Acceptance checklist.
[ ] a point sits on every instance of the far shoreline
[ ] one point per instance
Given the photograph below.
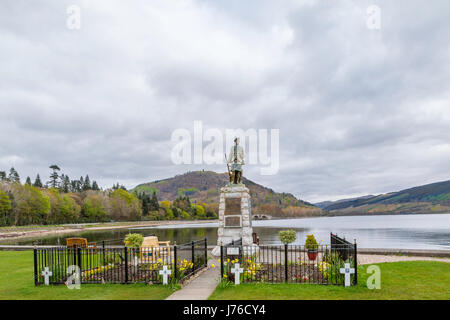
(74, 228)
(32, 231)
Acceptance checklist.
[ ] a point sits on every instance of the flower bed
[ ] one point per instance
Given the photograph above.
(142, 272)
(315, 263)
(265, 272)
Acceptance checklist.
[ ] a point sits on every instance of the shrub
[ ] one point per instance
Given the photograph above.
(199, 211)
(169, 214)
(165, 204)
(125, 206)
(134, 240)
(63, 209)
(211, 210)
(185, 215)
(287, 236)
(94, 207)
(5, 209)
(334, 262)
(30, 205)
(311, 242)
(156, 215)
(60, 209)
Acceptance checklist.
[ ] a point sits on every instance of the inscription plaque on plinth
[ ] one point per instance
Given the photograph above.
(232, 206)
(234, 221)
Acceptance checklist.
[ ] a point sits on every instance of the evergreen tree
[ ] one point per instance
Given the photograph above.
(153, 203)
(13, 175)
(28, 181)
(176, 212)
(75, 185)
(61, 180)
(37, 183)
(118, 186)
(87, 183)
(3, 176)
(65, 183)
(54, 176)
(145, 201)
(95, 186)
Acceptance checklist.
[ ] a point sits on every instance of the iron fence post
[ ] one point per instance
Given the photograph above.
(286, 262)
(175, 272)
(74, 254)
(206, 252)
(126, 264)
(221, 261)
(355, 279)
(35, 267)
(79, 261)
(193, 257)
(103, 251)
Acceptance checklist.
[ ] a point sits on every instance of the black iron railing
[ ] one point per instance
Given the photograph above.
(113, 264)
(290, 263)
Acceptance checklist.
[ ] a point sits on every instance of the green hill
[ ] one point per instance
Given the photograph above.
(204, 186)
(430, 198)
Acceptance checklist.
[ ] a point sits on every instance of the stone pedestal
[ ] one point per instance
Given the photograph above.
(235, 216)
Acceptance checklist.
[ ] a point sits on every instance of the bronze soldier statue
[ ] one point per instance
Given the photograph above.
(236, 160)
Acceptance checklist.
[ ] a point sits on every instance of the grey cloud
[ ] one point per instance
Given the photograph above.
(359, 111)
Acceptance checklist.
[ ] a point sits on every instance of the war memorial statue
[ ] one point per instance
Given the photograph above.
(236, 160)
(235, 209)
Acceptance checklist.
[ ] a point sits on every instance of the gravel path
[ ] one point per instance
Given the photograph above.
(375, 258)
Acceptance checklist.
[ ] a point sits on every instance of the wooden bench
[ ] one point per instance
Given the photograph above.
(81, 243)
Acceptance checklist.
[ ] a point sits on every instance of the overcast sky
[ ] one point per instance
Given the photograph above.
(360, 110)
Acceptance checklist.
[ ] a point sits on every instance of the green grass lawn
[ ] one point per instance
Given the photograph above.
(17, 282)
(399, 280)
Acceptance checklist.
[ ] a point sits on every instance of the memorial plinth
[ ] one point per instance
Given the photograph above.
(235, 216)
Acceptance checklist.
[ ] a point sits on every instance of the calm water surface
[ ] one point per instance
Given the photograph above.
(430, 231)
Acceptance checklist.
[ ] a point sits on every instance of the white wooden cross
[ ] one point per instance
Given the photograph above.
(46, 274)
(237, 270)
(165, 273)
(348, 271)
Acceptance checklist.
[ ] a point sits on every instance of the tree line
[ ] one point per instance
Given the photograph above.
(179, 209)
(62, 200)
(58, 181)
